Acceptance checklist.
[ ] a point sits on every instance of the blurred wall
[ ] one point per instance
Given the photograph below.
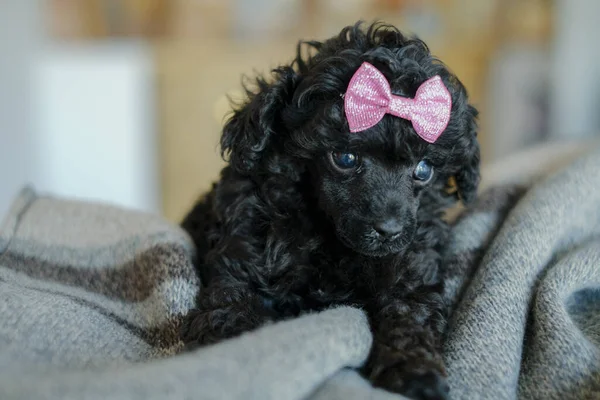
(77, 119)
(20, 40)
(575, 74)
(95, 123)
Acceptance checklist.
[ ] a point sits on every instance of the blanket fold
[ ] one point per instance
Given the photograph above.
(91, 298)
(544, 231)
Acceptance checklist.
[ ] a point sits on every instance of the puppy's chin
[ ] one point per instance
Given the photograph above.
(371, 245)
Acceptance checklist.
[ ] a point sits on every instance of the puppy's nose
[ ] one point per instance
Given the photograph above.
(388, 228)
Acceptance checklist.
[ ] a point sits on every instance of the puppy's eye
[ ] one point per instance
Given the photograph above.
(423, 171)
(344, 161)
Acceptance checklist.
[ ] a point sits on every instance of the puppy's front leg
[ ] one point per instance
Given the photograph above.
(405, 357)
(223, 311)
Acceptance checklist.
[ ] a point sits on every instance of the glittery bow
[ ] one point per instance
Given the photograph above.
(369, 98)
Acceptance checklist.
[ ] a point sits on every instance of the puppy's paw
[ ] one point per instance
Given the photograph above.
(199, 328)
(202, 327)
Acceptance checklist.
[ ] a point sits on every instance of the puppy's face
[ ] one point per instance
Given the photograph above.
(376, 186)
(371, 195)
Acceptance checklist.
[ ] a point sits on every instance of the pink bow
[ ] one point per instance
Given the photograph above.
(369, 98)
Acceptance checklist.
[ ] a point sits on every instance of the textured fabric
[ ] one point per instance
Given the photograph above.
(518, 331)
(91, 298)
(74, 276)
(369, 97)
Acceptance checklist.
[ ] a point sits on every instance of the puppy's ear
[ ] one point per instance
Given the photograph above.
(468, 177)
(251, 129)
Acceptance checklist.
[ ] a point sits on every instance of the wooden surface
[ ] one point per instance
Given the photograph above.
(194, 80)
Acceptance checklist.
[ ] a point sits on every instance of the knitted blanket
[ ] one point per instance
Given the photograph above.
(91, 297)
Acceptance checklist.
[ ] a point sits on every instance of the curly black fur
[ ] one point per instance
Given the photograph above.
(283, 231)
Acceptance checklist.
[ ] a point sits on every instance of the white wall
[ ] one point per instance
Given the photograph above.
(20, 39)
(76, 120)
(95, 128)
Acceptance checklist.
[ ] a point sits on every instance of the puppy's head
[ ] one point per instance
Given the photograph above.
(375, 186)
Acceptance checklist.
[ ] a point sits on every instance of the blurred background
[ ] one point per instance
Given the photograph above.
(122, 101)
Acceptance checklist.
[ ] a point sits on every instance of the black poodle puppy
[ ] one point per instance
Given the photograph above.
(309, 214)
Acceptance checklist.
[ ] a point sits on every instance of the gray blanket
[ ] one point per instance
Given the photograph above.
(91, 298)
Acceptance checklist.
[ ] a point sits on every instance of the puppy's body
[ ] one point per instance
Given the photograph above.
(290, 228)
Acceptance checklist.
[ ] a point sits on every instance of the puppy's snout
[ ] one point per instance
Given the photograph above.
(388, 228)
